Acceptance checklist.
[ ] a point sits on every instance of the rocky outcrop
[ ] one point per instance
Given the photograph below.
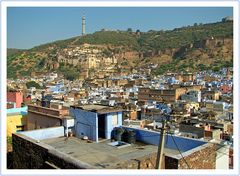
(203, 44)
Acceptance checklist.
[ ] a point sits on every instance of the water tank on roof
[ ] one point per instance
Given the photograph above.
(117, 133)
(129, 136)
(45, 103)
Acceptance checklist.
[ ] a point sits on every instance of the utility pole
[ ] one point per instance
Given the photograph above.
(161, 146)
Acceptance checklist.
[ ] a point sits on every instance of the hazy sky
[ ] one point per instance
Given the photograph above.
(32, 26)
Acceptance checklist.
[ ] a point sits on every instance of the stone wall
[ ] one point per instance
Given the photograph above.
(204, 158)
(28, 154)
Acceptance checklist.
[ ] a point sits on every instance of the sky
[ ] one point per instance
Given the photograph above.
(31, 26)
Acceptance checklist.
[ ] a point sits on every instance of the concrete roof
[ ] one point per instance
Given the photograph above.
(101, 109)
(101, 155)
(14, 114)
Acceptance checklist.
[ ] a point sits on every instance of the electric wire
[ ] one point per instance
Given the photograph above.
(180, 152)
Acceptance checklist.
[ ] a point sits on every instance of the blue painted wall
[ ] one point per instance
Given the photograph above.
(119, 118)
(109, 126)
(152, 137)
(46, 133)
(86, 123)
(22, 110)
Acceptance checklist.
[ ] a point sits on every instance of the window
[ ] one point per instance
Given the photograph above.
(114, 119)
(19, 128)
(230, 161)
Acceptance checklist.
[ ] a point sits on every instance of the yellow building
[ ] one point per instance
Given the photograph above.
(91, 61)
(191, 105)
(15, 122)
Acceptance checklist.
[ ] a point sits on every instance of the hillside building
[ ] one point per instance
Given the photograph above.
(166, 95)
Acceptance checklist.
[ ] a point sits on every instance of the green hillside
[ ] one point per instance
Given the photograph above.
(153, 42)
(149, 40)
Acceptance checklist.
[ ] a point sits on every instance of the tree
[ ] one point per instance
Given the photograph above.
(71, 75)
(10, 89)
(202, 67)
(107, 53)
(138, 32)
(129, 30)
(228, 64)
(216, 69)
(33, 84)
(42, 63)
(194, 36)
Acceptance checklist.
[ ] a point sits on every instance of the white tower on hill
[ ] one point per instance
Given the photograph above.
(83, 25)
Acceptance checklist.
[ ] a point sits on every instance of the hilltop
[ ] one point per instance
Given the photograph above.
(12, 51)
(196, 47)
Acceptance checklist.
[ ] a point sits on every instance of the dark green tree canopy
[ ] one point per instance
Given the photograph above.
(33, 84)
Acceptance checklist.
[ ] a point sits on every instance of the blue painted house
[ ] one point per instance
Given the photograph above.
(57, 88)
(172, 80)
(95, 121)
(164, 108)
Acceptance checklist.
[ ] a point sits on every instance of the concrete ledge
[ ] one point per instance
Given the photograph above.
(46, 133)
(67, 158)
(187, 153)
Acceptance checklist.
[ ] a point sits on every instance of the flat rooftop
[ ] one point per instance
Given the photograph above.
(14, 114)
(102, 155)
(101, 109)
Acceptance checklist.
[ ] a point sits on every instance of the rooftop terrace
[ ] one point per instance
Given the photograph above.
(101, 109)
(101, 155)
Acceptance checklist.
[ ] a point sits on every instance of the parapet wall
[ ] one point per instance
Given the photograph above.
(49, 111)
(203, 157)
(152, 137)
(46, 133)
(32, 154)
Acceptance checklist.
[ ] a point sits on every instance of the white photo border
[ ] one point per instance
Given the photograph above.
(178, 3)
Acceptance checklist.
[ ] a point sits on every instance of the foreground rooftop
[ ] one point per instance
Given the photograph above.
(100, 155)
(72, 152)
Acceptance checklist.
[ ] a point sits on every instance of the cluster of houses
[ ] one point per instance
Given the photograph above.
(87, 56)
(70, 116)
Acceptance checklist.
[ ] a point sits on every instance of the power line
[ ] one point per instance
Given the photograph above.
(180, 151)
